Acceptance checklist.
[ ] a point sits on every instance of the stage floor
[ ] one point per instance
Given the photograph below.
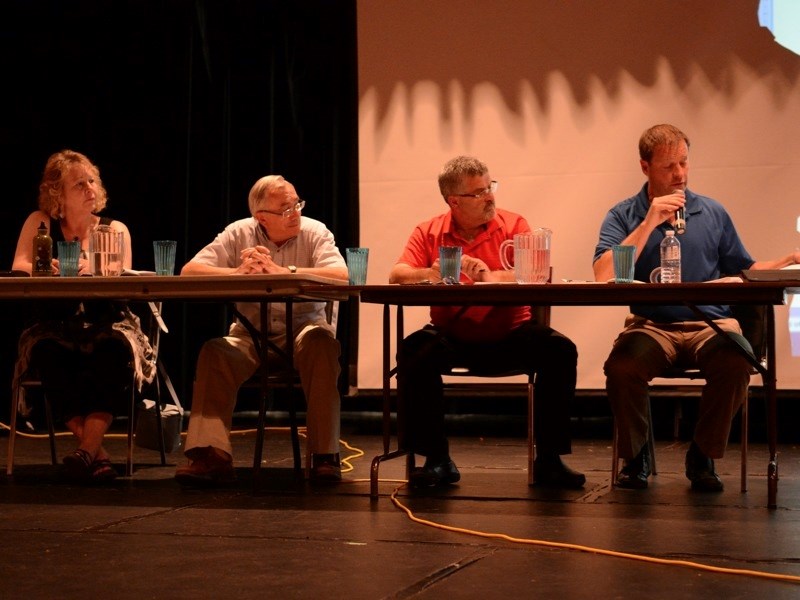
(145, 537)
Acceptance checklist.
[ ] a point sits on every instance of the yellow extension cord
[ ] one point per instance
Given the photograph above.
(346, 464)
(358, 453)
(601, 551)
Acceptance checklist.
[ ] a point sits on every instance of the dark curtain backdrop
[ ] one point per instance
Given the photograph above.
(182, 104)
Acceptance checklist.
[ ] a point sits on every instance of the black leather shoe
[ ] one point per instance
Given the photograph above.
(634, 474)
(551, 471)
(700, 471)
(434, 473)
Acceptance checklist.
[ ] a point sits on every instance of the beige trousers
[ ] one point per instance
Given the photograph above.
(227, 362)
(645, 349)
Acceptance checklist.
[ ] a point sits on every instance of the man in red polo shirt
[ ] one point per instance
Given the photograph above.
(482, 336)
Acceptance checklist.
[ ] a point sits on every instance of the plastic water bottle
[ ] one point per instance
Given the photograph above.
(670, 258)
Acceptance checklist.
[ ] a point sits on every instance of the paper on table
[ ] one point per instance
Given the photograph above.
(582, 281)
(136, 273)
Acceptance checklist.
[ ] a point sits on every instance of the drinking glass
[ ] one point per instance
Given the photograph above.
(357, 259)
(68, 255)
(450, 264)
(164, 252)
(624, 262)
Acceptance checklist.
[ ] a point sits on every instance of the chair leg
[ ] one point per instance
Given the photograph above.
(531, 437)
(12, 434)
(676, 419)
(651, 441)
(259, 450)
(411, 461)
(744, 435)
(51, 430)
(159, 424)
(294, 433)
(131, 419)
(614, 452)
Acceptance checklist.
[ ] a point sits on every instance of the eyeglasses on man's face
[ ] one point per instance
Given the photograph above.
(489, 190)
(288, 212)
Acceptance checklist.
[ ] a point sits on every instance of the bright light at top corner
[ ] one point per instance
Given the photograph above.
(782, 18)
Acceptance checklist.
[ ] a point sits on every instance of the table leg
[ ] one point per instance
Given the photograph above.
(388, 372)
(387, 376)
(292, 408)
(262, 417)
(770, 387)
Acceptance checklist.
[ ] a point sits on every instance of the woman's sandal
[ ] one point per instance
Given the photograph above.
(78, 464)
(102, 470)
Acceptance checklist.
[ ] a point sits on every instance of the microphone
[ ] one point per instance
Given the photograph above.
(680, 214)
(680, 221)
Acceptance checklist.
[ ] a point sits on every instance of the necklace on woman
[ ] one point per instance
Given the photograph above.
(75, 234)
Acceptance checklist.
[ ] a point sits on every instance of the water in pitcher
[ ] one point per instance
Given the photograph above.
(106, 251)
(531, 256)
(106, 263)
(540, 265)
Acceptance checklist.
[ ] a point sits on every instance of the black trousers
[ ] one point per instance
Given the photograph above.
(81, 382)
(425, 354)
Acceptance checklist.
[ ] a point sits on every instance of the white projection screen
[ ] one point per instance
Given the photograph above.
(553, 97)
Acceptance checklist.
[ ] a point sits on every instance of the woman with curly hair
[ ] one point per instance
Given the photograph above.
(87, 355)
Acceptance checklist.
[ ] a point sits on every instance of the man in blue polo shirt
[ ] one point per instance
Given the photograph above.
(655, 337)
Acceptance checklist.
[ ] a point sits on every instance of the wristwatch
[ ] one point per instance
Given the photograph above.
(292, 269)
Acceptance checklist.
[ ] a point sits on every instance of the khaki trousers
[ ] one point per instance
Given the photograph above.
(227, 362)
(645, 349)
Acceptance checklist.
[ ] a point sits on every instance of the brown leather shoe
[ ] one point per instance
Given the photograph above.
(210, 467)
(326, 468)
